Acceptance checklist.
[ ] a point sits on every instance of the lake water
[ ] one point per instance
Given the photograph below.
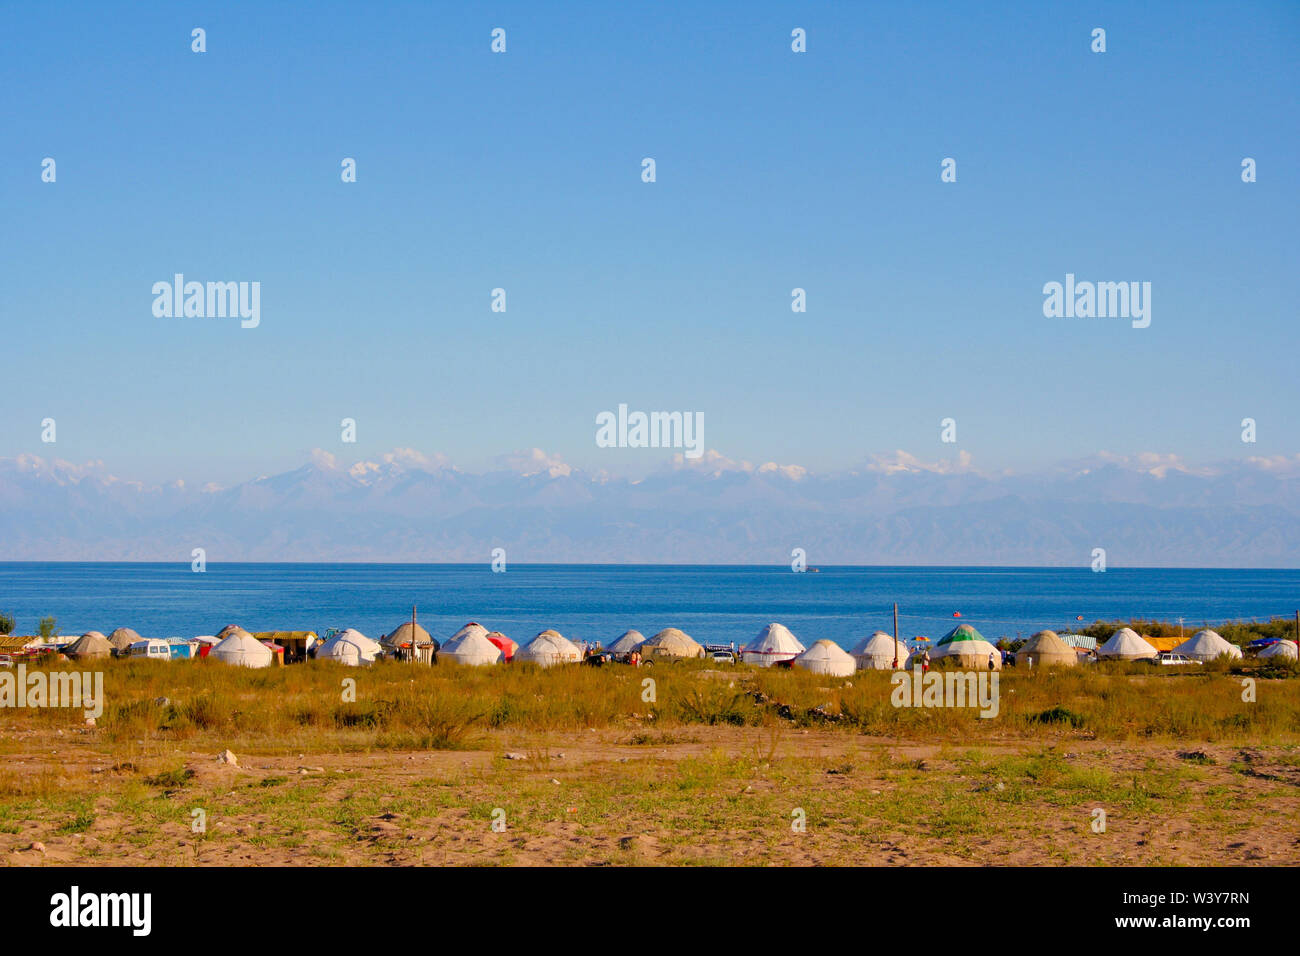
(713, 604)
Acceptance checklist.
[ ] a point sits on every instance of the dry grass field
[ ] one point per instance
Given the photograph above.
(517, 765)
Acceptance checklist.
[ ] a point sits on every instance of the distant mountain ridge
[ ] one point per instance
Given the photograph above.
(898, 511)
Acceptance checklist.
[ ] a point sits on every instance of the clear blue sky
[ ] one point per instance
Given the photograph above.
(522, 170)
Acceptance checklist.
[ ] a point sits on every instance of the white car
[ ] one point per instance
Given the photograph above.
(1170, 658)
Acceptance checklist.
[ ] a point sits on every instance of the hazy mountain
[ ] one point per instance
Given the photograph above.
(1150, 511)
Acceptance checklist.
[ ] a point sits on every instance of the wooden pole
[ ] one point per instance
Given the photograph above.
(413, 651)
(896, 633)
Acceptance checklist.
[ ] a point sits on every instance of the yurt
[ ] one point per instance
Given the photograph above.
(470, 646)
(1126, 645)
(880, 652)
(827, 657)
(229, 629)
(1207, 645)
(627, 643)
(90, 645)
(774, 643)
(505, 645)
(349, 647)
(548, 648)
(1046, 649)
(410, 640)
(668, 643)
(968, 647)
(122, 639)
(242, 649)
(1282, 650)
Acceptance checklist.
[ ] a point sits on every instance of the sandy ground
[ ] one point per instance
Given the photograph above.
(704, 795)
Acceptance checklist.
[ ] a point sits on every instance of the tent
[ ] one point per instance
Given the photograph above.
(349, 647)
(1207, 645)
(826, 657)
(121, 639)
(505, 645)
(229, 629)
(89, 645)
(774, 643)
(471, 647)
(626, 644)
(548, 648)
(1125, 645)
(670, 642)
(1282, 650)
(968, 647)
(1046, 649)
(408, 640)
(880, 652)
(242, 649)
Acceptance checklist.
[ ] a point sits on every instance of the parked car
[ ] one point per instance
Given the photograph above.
(1172, 659)
(723, 657)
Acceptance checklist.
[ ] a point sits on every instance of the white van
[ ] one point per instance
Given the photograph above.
(152, 648)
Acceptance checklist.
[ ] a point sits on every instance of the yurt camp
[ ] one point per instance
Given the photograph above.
(1282, 650)
(410, 641)
(1207, 645)
(668, 644)
(1126, 645)
(470, 646)
(967, 647)
(90, 645)
(505, 645)
(627, 642)
(880, 652)
(1046, 649)
(548, 649)
(122, 639)
(773, 645)
(827, 657)
(349, 647)
(243, 650)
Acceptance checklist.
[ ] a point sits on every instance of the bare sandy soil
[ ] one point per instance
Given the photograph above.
(698, 795)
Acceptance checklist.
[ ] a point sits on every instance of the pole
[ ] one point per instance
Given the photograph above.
(896, 633)
(413, 651)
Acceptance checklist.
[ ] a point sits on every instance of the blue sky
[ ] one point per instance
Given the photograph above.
(775, 170)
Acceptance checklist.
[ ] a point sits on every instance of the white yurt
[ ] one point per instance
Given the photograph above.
(879, 653)
(1282, 650)
(628, 642)
(968, 647)
(1207, 645)
(349, 647)
(471, 646)
(548, 648)
(1126, 645)
(774, 643)
(242, 649)
(826, 657)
